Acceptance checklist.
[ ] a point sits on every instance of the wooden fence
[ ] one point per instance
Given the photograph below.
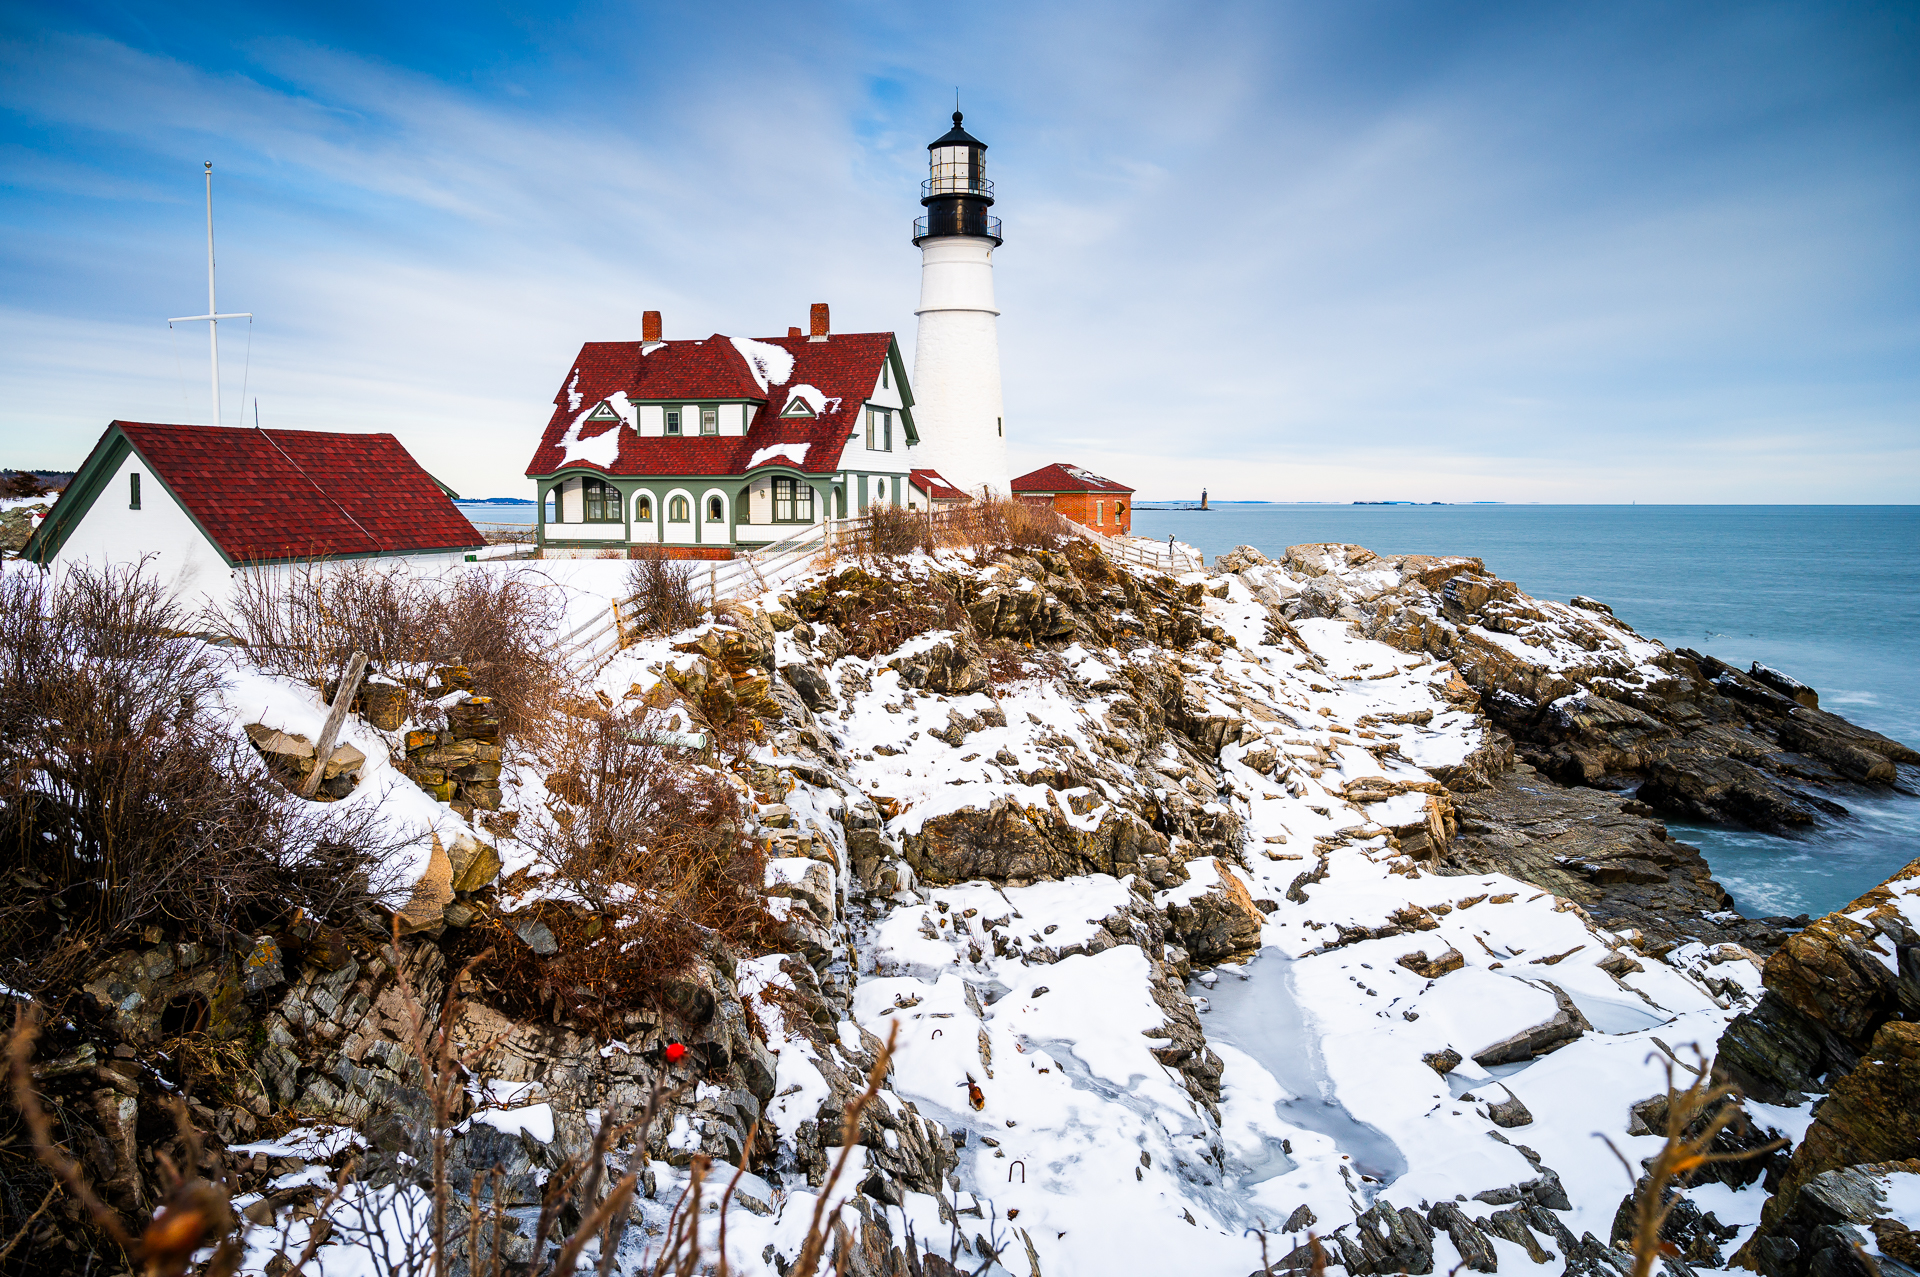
(772, 566)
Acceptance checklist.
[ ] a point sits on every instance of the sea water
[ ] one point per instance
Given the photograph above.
(1828, 594)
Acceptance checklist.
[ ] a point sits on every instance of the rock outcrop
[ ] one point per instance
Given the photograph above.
(1586, 699)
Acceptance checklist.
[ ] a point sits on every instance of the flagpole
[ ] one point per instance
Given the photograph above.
(213, 315)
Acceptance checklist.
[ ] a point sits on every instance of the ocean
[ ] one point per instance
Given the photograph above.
(1828, 594)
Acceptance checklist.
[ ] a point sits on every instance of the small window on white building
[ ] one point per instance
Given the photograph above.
(133, 492)
(1000, 426)
(709, 421)
(716, 510)
(886, 371)
(643, 508)
(604, 412)
(673, 421)
(678, 511)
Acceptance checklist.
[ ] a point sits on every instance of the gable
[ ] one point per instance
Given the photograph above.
(277, 495)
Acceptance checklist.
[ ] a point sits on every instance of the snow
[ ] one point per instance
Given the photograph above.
(603, 447)
(770, 365)
(794, 452)
(812, 396)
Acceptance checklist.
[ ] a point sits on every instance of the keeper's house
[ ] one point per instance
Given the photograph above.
(200, 504)
(703, 448)
(1080, 495)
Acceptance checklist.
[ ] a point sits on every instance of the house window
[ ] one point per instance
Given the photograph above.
(673, 421)
(885, 372)
(133, 492)
(1099, 513)
(879, 430)
(716, 510)
(643, 509)
(603, 501)
(709, 421)
(792, 501)
(678, 511)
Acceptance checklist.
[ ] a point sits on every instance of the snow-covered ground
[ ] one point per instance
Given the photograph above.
(1084, 1154)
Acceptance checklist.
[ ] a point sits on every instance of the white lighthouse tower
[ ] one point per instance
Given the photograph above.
(956, 357)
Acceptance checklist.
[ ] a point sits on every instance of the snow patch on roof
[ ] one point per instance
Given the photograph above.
(602, 449)
(812, 396)
(794, 452)
(573, 392)
(770, 365)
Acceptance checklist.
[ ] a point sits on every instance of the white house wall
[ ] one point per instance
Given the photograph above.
(181, 557)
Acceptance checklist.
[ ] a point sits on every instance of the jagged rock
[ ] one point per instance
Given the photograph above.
(1827, 993)
(1509, 1113)
(1442, 1062)
(811, 684)
(1475, 1251)
(1606, 852)
(1566, 1024)
(1391, 1239)
(1219, 923)
(1450, 960)
(1871, 1115)
(1512, 1224)
(1695, 1234)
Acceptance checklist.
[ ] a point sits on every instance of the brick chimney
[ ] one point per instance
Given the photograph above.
(818, 320)
(794, 332)
(649, 325)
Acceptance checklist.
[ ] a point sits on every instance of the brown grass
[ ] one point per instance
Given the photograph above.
(125, 801)
(879, 609)
(306, 621)
(656, 845)
(662, 594)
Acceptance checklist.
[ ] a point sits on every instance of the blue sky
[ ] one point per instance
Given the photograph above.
(1422, 250)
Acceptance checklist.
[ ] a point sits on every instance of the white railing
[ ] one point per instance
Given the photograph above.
(1172, 558)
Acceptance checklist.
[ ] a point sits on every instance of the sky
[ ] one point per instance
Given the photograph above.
(1416, 250)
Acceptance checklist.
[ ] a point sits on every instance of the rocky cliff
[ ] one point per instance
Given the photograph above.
(1050, 821)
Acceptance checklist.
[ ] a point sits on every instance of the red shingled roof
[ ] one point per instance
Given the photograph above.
(936, 488)
(844, 368)
(1061, 477)
(288, 494)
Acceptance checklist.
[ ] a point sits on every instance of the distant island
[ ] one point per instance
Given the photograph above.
(494, 501)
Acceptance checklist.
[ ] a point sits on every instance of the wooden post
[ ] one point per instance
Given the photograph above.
(331, 732)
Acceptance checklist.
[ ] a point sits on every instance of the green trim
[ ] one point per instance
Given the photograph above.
(91, 480)
(906, 391)
(451, 494)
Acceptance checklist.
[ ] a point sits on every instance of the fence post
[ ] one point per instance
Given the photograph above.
(342, 699)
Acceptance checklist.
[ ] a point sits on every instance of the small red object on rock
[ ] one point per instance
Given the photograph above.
(675, 1052)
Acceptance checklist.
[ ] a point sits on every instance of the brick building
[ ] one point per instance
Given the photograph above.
(1080, 495)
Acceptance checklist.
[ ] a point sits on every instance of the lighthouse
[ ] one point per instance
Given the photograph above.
(956, 356)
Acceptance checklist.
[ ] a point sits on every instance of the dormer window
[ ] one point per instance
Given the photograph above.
(604, 412)
(797, 407)
(709, 421)
(673, 421)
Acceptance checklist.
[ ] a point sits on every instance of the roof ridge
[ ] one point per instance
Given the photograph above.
(377, 544)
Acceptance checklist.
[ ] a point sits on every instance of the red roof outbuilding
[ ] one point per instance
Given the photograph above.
(1061, 477)
(264, 495)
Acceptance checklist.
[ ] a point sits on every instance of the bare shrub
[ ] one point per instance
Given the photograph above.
(662, 594)
(891, 532)
(656, 845)
(992, 523)
(125, 800)
(305, 622)
(1695, 1117)
(878, 610)
(23, 483)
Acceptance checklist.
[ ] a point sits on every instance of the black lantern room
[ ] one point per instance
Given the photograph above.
(957, 195)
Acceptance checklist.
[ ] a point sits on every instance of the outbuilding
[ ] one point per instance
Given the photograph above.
(203, 503)
(1081, 495)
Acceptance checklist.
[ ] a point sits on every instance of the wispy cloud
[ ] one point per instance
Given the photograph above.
(1283, 251)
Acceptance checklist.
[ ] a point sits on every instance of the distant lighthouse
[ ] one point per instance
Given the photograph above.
(956, 357)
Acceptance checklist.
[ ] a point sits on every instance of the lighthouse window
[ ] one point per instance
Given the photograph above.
(709, 421)
(603, 501)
